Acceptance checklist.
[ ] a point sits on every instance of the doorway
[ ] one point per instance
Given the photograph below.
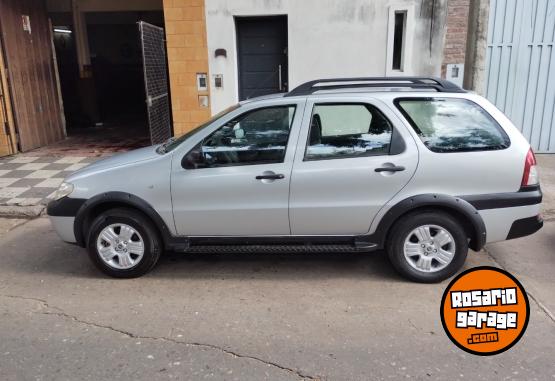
(109, 108)
(262, 55)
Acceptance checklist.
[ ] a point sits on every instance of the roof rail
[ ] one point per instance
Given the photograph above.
(416, 83)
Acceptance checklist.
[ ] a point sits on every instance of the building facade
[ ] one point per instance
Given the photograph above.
(318, 39)
(249, 48)
(219, 52)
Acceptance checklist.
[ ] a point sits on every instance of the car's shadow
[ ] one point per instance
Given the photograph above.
(46, 254)
(69, 260)
(275, 266)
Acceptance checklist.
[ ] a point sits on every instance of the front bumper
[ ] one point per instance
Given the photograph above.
(64, 227)
(64, 207)
(62, 214)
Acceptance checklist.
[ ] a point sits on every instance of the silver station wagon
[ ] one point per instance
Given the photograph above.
(415, 166)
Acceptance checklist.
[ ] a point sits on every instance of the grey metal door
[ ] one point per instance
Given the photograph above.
(262, 55)
(156, 81)
(521, 67)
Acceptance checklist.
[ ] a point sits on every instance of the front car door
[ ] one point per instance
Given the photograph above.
(232, 179)
(352, 157)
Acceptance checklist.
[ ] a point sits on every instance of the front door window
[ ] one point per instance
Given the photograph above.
(257, 137)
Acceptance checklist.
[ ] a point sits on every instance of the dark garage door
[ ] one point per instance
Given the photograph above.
(262, 48)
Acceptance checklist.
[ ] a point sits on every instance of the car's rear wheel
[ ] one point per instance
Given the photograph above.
(123, 243)
(428, 246)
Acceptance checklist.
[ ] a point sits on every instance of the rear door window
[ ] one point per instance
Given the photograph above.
(453, 125)
(347, 130)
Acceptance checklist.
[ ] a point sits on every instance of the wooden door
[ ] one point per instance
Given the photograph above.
(7, 128)
(27, 41)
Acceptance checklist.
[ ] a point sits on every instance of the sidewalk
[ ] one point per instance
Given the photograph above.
(28, 180)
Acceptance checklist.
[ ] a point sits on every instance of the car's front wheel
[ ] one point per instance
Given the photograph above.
(123, 243)
(428, 246)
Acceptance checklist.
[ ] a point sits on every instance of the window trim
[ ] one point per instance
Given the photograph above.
(368, 106)
(417, 130)
(408, 39)
(399, 36)
(241, 116)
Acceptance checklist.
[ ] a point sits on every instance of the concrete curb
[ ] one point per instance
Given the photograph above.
(18, 211)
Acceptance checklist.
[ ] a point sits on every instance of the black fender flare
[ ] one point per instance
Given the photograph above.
(83, 220)
(438, 201)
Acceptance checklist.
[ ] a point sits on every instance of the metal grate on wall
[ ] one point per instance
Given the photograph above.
(156, 81)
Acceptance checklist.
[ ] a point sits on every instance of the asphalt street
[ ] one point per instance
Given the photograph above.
(249, 317)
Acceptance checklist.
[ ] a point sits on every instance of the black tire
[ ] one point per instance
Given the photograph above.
(403, 227)
(152, 242)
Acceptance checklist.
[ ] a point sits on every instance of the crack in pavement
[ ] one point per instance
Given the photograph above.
(541, 306)
(61, 313)
(41, 301)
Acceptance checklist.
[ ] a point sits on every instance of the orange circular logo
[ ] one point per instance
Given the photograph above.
(485, 311)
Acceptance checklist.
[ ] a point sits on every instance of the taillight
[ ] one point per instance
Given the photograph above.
(530, 176)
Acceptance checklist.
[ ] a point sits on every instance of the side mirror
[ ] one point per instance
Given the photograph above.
(194, 159)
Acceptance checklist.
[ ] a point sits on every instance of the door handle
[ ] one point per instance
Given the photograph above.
(274, 176)
(390, 169)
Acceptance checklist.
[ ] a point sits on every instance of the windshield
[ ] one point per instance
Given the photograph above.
(173, 143)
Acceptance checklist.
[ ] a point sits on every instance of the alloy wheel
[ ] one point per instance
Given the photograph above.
(429, 248)
(120, 246)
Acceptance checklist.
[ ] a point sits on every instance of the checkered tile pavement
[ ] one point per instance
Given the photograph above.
(32, 180)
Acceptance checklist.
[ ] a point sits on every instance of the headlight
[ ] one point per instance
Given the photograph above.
(64, 190)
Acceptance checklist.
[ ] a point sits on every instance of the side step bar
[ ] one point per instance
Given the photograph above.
(268, 249)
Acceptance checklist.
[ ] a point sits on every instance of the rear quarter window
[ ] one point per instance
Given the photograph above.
(453, 125)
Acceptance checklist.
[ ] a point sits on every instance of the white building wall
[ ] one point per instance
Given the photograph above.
(329, 38)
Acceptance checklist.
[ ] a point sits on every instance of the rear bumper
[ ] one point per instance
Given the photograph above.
(524, 197)
(509, 215)
(525, 226)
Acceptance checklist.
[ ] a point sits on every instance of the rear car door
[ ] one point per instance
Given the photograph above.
(235, 180)
(352, 158)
